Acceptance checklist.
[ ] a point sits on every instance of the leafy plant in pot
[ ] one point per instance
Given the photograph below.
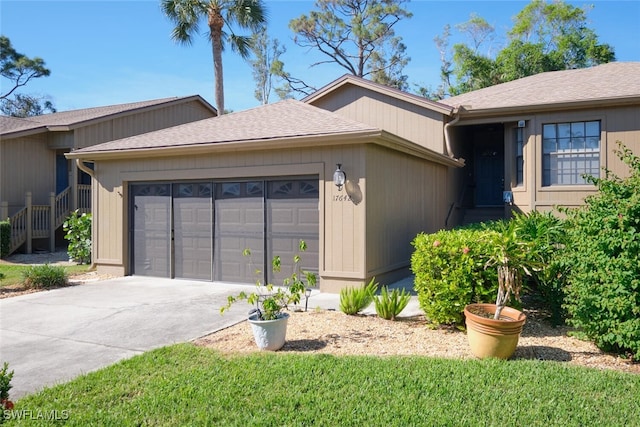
(268, 320)
(493, 330)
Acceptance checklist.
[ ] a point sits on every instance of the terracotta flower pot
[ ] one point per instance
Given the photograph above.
(493, 338)
(269, 334)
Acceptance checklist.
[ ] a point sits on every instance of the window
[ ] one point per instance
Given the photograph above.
(570, 151)
(519, 156)
(230, 190)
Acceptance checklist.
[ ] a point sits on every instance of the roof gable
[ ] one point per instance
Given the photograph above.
(612, 82)
(349, 79)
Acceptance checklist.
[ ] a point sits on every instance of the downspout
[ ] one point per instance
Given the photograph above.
(447, 138)
(80, 164)
(89, 171)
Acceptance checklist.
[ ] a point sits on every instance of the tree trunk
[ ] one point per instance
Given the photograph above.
(216, 23)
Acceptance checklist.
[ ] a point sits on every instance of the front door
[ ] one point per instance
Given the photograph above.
(489, 166)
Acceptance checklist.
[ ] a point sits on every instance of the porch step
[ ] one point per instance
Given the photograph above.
(476, 215)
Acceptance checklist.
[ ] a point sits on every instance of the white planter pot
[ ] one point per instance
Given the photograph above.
(269, 334)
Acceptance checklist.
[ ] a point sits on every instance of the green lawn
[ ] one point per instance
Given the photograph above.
(13, 273)
(184, 385)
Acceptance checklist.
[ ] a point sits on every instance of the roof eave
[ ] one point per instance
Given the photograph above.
(23, 133)
(398, 143)
(360, 137)
(571, 105)
(242, 145)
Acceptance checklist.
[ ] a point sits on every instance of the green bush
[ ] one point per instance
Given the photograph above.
(78, 233)
(44, 276)
(449, 269)
(5, 381)
(603, 292)
(355, 299)
(5, 238)
(548, 236)
(390, 305)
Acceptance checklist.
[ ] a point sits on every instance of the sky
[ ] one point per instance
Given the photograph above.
(120, 51)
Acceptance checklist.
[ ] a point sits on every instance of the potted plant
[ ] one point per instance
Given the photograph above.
(493, 330)
(268, 320)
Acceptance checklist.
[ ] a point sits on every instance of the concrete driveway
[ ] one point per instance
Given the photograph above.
(54, 336)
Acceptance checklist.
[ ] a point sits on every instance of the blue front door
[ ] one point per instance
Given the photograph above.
(62, 173)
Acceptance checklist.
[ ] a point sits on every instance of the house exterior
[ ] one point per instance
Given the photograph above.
(536, 137)
(184, 202)
(35, 175)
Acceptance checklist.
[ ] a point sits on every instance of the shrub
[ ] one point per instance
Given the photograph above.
(44, 276)
(356, 299)
(603, 292)
(389, 305)
(449, 268)
(5, 238)
(78, 233)
(5, 386)
(548, 236)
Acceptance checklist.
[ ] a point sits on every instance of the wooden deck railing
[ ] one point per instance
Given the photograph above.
(84, 198)
(34, 221)
(62, 207)
(18, 229)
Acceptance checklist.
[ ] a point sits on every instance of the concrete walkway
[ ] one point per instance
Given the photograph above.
(53, 336)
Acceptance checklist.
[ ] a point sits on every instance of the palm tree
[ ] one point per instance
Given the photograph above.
(221, 17)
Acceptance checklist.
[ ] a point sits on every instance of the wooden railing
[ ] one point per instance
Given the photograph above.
(40, 221)
(18, 229)
(62, 207)
(84, 198)
(34, 221)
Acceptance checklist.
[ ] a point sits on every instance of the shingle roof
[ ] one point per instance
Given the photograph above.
(15, 124)
(75, 117)
(284, 119)
(612, 81)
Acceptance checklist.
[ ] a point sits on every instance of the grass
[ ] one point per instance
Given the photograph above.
(188, 385)
(13, 274)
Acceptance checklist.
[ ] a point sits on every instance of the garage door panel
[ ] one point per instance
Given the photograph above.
(239, 225)
(192, 224)
(151, 230)
(289, 221)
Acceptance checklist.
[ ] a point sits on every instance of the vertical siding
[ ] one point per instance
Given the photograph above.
(623, 124)
(27, 165)
(142, 122)
(405, 196)
(417, 124)
(342, 224)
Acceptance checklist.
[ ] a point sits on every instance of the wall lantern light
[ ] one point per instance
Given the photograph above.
(339, 177)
